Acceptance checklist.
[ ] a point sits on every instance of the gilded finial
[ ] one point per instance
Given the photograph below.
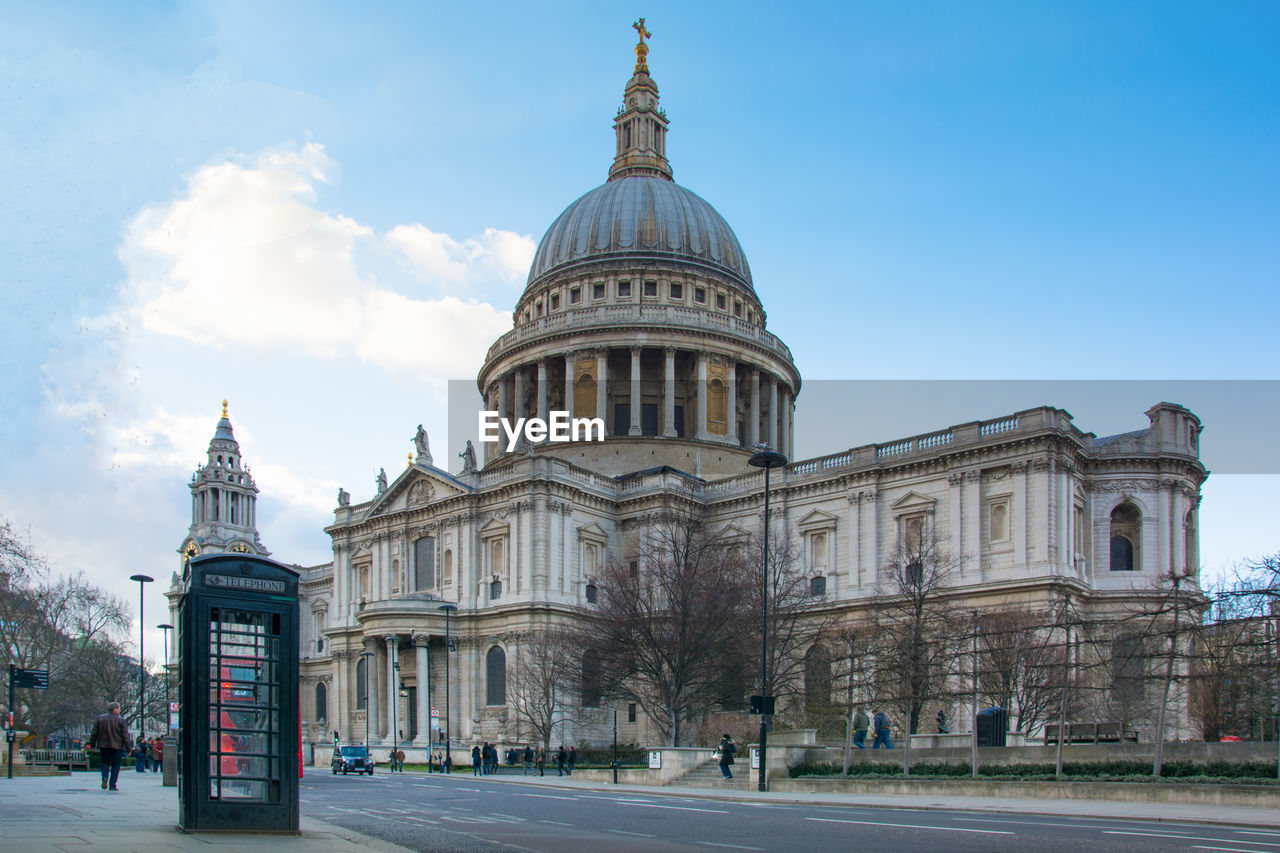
(642, 49)
(224, 408)
(409, 460)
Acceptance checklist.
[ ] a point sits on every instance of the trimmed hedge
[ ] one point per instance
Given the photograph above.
(1216, 772)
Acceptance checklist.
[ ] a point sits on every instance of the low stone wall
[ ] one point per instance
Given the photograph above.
(1131, 792)
(1005, 756)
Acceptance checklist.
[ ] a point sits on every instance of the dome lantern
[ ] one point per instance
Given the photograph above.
(641, 127)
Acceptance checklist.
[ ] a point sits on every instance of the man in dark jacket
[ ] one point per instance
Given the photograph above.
(883, 729)
(111, 738)
(572, 760)
(860, 725)
(561, 757)
(727, 750)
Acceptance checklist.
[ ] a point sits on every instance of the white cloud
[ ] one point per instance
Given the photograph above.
(244, 258)
(161, 440)
(434, 257)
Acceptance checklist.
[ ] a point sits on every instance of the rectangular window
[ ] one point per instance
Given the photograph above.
(677, 290)
(737, 307)
(720, 301)
(624, 289)
(650, 288)
(631, 712)
(679, 419)
(648, 418)
(597, 291)
(700, 295)
(555, 301)
(817, 586)
(537, 310)
(575, 295)
(621, 418)
(633, 568)
(424, 563)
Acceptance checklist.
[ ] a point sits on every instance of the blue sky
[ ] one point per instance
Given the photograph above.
(324, 211)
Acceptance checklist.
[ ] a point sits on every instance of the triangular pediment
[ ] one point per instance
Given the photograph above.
(593, 531)
(417, 486)
(733, 533)
(494, 525)
(816, 519)
(914, 500)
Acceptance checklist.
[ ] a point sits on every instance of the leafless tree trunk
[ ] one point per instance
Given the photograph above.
(547, 680)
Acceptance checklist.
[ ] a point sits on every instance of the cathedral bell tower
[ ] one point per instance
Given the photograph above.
(223, 500)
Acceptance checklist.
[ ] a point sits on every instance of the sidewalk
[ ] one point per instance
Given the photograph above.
(50, 814)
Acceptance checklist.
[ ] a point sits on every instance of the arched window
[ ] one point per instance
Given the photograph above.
(322, 701)
(1126, 528)
(1192, 555)
(590, 681)
(817, 677)
(495, 672)
(362, 684)
(448, 566)
(424, 563)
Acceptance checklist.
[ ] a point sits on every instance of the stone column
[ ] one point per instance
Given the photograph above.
(517, 405)
(733, 402)
(602, 390)
(568, 383)
(700, 427)
(393, 687)
(371, 686)
(753, 428)
(542, 389)
(422, 657)
(784, 399)
(773, 412)
(635, 391)
(669, 394)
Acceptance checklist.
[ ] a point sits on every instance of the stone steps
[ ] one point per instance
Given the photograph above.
(708, 775)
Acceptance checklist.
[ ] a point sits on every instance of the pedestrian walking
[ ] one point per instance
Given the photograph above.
(141, 750)
(883, 728)
(157, 754)
(111, 738)
(476, 769)
(860, 725)
(542, 761)
(727, 751)
(572, 761)
(528, 761)
(561, 757)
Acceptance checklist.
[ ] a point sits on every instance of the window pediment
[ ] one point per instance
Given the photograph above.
(817, 520)
(913, 502)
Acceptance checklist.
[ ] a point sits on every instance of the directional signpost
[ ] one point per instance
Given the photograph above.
(37, 679)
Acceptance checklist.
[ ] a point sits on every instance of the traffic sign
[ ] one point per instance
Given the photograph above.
(33, 678)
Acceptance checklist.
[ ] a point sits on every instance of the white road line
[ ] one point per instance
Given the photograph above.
(729, 846)
(636, 834)
(1231, 849)
(909, 826)
(673, 808)
(548, 797)
(1258, 831)
(508, 817)
(1028, 822)
(1185, 837)
(473, 819)
(555, 822)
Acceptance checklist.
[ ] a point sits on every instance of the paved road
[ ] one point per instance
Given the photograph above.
(463, 813)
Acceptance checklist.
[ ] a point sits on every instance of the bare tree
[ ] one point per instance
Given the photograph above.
(667, 627)
(53, 625)
(545, 684)
(1020, 656)
(915, 621)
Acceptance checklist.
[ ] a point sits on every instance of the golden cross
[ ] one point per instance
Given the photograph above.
(638, 26)
(642, 49)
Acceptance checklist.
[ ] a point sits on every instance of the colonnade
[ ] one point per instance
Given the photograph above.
(385, 673)
(764, 404)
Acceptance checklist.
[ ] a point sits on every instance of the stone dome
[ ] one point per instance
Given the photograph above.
(641, 218)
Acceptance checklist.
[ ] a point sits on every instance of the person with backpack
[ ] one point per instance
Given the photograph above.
(883, 728)
(727, 751)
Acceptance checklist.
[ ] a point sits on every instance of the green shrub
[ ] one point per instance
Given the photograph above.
(1215, 772)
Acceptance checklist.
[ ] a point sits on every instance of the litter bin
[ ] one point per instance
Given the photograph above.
(993, 725)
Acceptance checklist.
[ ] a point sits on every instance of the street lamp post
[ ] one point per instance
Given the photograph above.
(448, 720)
(142, 656)
(166, 627)
(767, 458)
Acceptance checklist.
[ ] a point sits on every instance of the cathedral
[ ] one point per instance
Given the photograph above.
(641, 310)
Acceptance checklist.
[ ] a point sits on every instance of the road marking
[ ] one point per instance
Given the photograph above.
(1231, 849)
(636, 834)
(1258, 831)
(1028, 822)
(548, 797)
(730, 846)
(1185, 837)
(555, 822)
(674, 808)
(910, 826)
(469, 819)
(508, 817)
